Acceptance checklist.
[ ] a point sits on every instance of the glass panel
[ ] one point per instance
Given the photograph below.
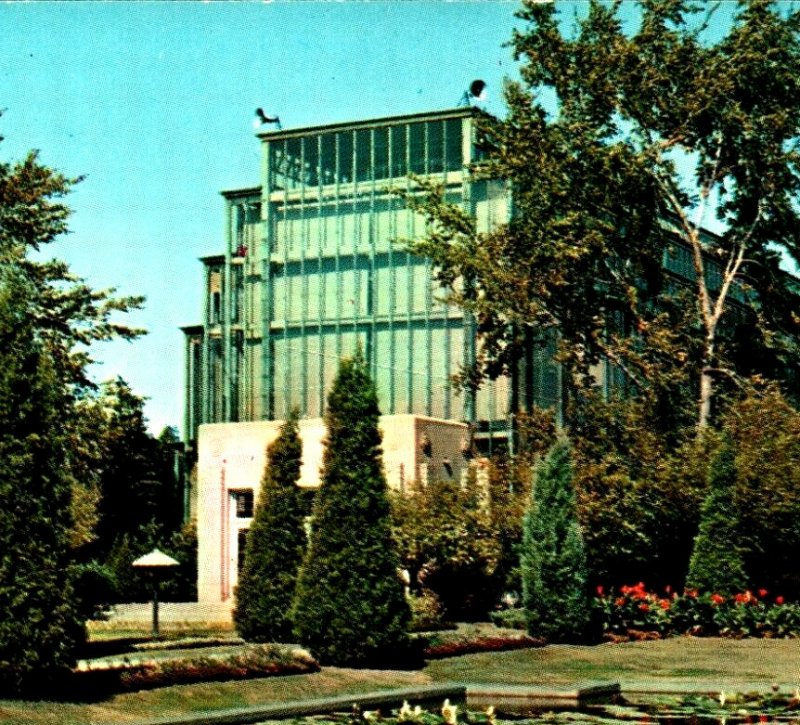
(345, 157)
(383, 370)
(401, 352)
(435, 147)
(311, 160)
(293, 162)
(363, 155)
(328, 159)
(416, 148)
(440, 341)
(453, 148)
(381, 150)
(383, 290)
(398, 151)
(314, 359)
(419, 377)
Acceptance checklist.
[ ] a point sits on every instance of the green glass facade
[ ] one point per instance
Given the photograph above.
(314, 267)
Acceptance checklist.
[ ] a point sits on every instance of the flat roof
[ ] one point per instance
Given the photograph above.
(460, 112)
(242, 192)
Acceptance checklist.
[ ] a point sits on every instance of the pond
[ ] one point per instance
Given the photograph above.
(726, 709)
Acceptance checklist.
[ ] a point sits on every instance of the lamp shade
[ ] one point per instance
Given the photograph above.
(155, 558)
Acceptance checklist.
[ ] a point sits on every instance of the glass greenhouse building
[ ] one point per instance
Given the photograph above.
(314, 266)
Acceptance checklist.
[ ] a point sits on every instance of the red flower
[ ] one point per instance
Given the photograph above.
(599, 590)
(664, 604)
(620, 602)
(668, 589)
(762, 593)
(644, 607)
(717, 598)
(690, 593)
(779, 600)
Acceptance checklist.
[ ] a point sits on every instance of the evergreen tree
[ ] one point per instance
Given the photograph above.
(39, 623)
(275, 544)
(553, 560)
(349, 605)
(717, 563)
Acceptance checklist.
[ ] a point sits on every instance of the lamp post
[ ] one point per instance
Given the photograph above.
(155, 564)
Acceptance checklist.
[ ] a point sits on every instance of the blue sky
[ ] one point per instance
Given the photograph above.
(153, 102)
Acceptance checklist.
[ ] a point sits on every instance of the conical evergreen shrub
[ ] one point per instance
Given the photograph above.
(349, 607)
(275, 544)
(717, 564)
(40, 627)
(553, 559)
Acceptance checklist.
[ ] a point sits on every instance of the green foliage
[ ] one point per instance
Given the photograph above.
(426, 612)
(276, 543)
(639, 489)
(627, 114)
(40, 625)
(765, 430)
(349, 607)
(447, 540)
(552, 556)
(128, 585)
(716, 564)
(137, 482)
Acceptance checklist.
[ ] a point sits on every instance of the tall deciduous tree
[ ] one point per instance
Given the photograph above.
(633, 128)
(48, 318)
(349, 607)
(276, 544)
(552, 555)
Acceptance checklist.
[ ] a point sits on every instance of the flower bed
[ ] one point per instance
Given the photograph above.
(635, 612)
(252, 661)
(475, 639)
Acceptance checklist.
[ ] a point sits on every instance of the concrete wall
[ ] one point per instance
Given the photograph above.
(231, 458)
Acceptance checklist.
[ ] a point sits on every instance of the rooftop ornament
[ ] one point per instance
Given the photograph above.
(155, 564)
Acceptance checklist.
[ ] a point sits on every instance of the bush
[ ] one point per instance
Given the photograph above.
(512, 618)
(349, 606)
(275, 544)
(448, 542)
(716, 564)
(552, 560)
(427, 614)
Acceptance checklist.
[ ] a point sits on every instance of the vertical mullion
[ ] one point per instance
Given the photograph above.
(410, 284)
(392, 277)
(338, 254)
(303, 392)
(320, 285)
(428, 300)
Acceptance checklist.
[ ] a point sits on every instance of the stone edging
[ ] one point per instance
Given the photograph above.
(473, 695)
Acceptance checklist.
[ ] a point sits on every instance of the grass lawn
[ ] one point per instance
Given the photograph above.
(679, 662)
(675, 663)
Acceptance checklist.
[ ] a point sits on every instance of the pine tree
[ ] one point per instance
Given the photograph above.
(717, 564)
(553, 559)
(39, 624)
(349, 606)
(275, 544)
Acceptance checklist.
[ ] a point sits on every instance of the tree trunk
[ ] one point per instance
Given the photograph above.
(706, 385)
